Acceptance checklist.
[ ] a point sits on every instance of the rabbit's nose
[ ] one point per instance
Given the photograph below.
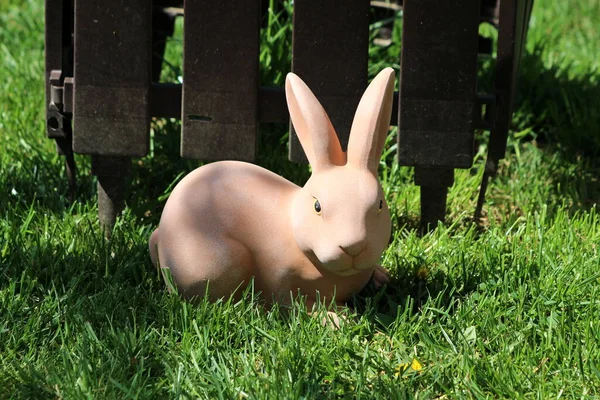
(353, 249)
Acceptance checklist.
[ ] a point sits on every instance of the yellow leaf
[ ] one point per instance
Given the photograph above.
(416, 365)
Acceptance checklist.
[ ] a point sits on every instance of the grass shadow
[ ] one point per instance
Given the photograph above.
(411, 287)
(561, 108)
(41, 179)
(557, 115)
(564, 113)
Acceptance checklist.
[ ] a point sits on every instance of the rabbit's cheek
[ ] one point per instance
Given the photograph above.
(303, 240)
(301, 231)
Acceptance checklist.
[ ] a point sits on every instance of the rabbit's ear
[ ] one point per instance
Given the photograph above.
(314, 129)
(371, 122)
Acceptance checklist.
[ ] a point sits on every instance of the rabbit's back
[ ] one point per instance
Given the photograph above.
(218, 222)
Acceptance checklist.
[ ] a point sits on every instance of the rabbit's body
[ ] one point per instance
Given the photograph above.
(261, 246)
(228, 222)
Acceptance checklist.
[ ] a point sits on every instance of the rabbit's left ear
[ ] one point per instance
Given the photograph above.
(314, 129)
(371, 122)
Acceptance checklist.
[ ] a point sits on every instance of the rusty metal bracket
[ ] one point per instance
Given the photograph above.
(60, 108)
(59, 124)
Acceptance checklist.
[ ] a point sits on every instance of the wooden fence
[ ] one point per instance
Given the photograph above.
(103, 60)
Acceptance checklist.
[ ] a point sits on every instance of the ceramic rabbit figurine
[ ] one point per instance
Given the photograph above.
(228, 222)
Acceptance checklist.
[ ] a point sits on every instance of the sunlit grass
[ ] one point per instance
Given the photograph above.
(506, 309)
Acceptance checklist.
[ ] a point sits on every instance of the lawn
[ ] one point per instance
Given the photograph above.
(508, 308)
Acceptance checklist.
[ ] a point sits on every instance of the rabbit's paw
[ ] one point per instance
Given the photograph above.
(333, 320)
(381, 276)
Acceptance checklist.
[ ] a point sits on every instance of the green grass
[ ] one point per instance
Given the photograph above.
(507, 309)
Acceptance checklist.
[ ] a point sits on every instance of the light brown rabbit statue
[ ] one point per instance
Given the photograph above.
(229, 222)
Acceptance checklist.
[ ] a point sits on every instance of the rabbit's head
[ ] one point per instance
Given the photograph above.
(340, 218)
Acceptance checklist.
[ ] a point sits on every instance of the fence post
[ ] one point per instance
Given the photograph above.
(330, 53)
(437, 95)
(111, 173)
(512, 31)
(113, 68)
(221, 80)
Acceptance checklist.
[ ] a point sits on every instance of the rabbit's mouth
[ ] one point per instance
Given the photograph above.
(344, 264)
(356, 266)
(339, 262)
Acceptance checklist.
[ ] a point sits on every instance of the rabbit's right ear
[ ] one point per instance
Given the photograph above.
(371, 122)
(314, 129)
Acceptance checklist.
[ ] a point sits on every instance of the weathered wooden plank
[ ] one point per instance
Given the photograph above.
(512, 32)
(221, 79)
(111, 173)
(113, 66)
(166, 103)
(438, 83)
(330, 54)
(272, 106)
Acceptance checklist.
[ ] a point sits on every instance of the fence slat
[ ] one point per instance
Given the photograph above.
(166, 103)
(512, 33)
(220, 93)
(330, 54)
(438, 83)
(112, 77)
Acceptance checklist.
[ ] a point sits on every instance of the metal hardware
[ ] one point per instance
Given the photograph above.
(60, 107)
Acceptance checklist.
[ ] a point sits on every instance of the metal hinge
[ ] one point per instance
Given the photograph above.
(60, 106)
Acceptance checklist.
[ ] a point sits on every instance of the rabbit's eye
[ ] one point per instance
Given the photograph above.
(317, 207)
(380, 205)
